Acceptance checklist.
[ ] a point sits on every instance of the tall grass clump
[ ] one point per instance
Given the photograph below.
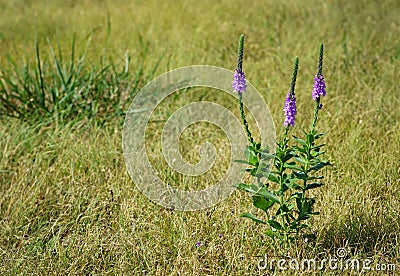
(69, 87)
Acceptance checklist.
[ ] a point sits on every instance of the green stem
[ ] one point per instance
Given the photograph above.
(314, 123)
(285, 134)
(245, 124)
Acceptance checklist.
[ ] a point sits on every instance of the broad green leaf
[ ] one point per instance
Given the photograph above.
(291, 165)
(296, 186)
(310, 138)
(283, 188)
(242, 186)
(271, 233)
(300, 141)
(319, 135)
(285, 209)
(275, 224)
(251, 188)
(262, 203)
(271, 177)
(257, 191)
(254, 218)
(317, 153)
(313, 185)
(305, 207)
(301, 160)
(267, 155)
(242, 161)
(300, 175)
(264, 192)
(318, 147)
(320, 166)
(251, 156)
(288, 156)
(292, 184)
(302, 150)
(293, 225)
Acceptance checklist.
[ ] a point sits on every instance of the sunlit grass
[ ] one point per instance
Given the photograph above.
(67, 204)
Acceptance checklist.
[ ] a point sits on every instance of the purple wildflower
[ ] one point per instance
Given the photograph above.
(290, 110)
(239, 81)
(198, 244)
(319, 87)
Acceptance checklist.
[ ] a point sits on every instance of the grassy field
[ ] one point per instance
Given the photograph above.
(67, 203)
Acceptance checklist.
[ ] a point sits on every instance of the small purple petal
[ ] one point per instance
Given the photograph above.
(239, 81)
(319, 87)
(290, 110)
(198, 244)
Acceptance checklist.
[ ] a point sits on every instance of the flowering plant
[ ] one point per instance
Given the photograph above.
(282, 189)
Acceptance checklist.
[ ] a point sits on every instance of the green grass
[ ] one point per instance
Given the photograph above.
(67, 204)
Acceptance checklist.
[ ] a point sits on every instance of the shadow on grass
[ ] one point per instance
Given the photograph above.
(362, 234)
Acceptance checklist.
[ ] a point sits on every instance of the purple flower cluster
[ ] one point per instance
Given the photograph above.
(319, 87)
(290, 110)
(239, 81)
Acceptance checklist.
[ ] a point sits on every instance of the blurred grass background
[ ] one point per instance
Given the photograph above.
(67, 204)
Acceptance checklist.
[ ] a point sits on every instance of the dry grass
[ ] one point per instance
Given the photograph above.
(67, 204)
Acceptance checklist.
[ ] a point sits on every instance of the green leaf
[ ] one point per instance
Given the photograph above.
(310, 138)
(264, 192)
(300, 141)
(318, 147)
(300, 175)
(252, 217)
(302, 150)
(274, 224)
(271, 233)
(296, 186)
(266, 155)
(271, 177)
(319, 166)
(283, 189)
(288, 156)
(305, 206)
(317, 153)
(291, 165)
(251, 155)
(285, 209)
(242, 186)
(313, 185)
(257, 191)
(262, 203)
(251, 188)
(241, 161)
(301, 160)
(291, 183)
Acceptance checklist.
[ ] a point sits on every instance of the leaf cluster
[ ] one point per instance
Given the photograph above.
(283, 180)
